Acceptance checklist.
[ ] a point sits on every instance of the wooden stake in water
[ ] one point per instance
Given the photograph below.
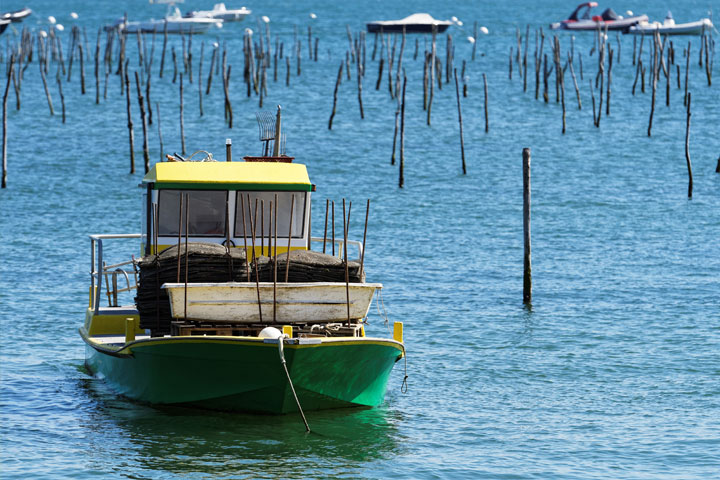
(131, 135)
(687, 148)
(141, 103)
(337, 84)
(182, 116)
(401, 180)
(4, 121)
(527, 269)
(460, 121)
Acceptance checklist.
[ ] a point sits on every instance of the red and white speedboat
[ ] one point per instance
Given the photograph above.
(581, 19)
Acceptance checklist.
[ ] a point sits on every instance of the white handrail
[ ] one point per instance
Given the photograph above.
(96, 259)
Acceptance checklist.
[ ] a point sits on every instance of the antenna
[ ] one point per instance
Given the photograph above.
(269, 127)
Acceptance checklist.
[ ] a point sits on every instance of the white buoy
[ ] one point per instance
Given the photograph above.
(269, 332)
(215, 45)
(454, 19)
(629, 13)
(484, 30)
(43, 33)
(73, 15)
(59, 27)
(471, 39)
(265, 19)
(52, 20)
(313, 16)
(249, 31)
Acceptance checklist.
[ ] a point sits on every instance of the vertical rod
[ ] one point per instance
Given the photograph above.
(346, 224)
(287, 264)
(362, 256)
(327, 208)
(527, 270)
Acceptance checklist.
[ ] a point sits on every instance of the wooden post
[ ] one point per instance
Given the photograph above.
(575, 83)
(401, 180)
(687, 70)
(337, 84)
(141, 103)
(462, 143)
(131, 135)
(432, 74)
(47, 91)
(654, 85)
(228, 150)
(380, 72)
(527, 270)
(10, 72)
(609, 82)
(687, 149)
(62, 97)
(210, 75)
(359, 82)
(97, 68)
(200, 88)
(82, 69)
(395, 131)
(182, 116)
(487, 120)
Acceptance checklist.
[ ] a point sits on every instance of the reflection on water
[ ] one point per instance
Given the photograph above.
(183, 441)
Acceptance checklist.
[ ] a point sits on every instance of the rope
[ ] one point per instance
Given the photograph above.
(383, 314)
(404, 386)
(292, 388)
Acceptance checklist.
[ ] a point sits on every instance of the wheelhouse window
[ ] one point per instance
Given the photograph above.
(206, 212)
(263, 201)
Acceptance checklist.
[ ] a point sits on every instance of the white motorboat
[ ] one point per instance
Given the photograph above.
(174, 22)
(16, 15)
(582, 19)
(220, 12)
(669, 27)
(415, 23)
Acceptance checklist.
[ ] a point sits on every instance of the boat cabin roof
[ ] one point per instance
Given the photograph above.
(229, 176)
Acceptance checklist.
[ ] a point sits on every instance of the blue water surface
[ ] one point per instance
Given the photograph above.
(613, 372)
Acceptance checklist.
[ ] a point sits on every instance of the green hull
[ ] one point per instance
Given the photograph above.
(234, 374)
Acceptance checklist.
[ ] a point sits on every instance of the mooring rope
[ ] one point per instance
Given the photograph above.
(404, 386)
(383, 314)
(281, 339)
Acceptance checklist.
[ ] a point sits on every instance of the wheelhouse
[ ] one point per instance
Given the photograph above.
(219, 199)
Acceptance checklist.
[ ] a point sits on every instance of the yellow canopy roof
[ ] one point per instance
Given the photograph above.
(229, 176)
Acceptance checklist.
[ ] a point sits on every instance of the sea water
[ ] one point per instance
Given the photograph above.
(613, 372)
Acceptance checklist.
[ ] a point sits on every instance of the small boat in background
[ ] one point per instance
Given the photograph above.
(415, 23)
(581, 19)
(174, 22)
(220, 12)
(669, 27)
(17, 15)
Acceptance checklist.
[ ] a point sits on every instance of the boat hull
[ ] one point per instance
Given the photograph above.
(409, 28)
(621, 24)
(690, 28)
(245, 374)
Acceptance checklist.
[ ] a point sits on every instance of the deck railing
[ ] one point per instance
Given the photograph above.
(99, 270)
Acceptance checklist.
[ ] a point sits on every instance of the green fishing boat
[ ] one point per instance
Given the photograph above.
(230, 308)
